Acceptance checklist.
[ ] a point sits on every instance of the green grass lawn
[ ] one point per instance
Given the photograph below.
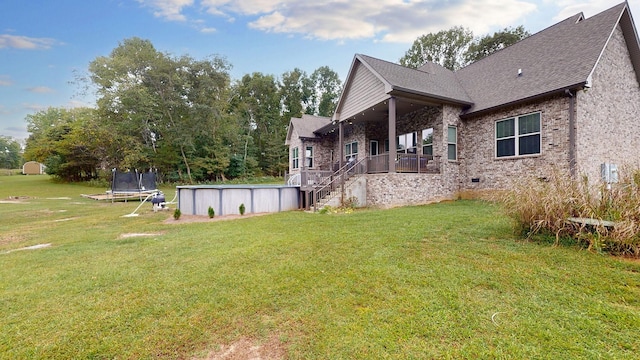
(447, 280)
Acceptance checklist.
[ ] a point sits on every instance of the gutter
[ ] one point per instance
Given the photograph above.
(578, 86)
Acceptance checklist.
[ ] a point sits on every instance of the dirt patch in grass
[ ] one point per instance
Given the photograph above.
(14, 200)
(184, 219)
(11, 238)
(244, 349)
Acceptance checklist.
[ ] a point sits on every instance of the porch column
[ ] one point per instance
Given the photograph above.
(392, 135)
(341, 144)
(341, 141)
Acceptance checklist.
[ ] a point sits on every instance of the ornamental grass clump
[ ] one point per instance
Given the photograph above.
(545, 207)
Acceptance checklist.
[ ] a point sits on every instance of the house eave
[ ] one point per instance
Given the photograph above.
(410, 93)
(579, 86)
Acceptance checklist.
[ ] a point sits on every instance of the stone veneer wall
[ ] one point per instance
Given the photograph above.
(295, 142)
(389, 190)
(477, 151)
(608, 113)
(322, 149)
(352, 132)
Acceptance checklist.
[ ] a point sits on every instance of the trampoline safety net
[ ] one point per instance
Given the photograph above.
(133, 181)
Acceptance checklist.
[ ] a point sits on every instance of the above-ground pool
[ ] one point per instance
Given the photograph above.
(226, 199)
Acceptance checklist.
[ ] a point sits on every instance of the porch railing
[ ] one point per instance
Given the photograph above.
(314, 177)
(379, 163)
(405, 163)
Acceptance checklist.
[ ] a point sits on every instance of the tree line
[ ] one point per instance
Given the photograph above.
(188, 120)
(182, 116)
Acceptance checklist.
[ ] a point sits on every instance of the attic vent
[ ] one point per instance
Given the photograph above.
(519, 72)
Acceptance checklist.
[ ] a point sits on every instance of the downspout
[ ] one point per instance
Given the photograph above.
(304, 154)
(572, 132)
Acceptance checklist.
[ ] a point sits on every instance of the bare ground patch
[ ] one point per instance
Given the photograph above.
(245, 349)
(15, 200)
(12, 238)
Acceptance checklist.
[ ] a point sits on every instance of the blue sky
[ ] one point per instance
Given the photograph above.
(45, 45)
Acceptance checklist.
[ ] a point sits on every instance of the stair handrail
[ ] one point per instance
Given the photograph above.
(322, 191)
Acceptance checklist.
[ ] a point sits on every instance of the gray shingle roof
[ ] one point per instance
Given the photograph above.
(431, 80)
(559, 57)
(306, 125)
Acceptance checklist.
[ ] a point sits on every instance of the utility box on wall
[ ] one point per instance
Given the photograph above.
(609, 173)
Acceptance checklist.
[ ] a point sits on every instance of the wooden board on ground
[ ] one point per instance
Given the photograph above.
(117, 196)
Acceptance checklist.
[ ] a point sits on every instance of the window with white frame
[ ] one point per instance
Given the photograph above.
(351, 151)
(427, 141)
(407, 143)
(518, 136)
(308, 157)
(295, 158)
(452, 143)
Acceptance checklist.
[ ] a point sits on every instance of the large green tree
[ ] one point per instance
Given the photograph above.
(258, 104)
(72, 143)
(296, 93)
(165, 104)
(446, 47)
(457, 47)
(488, 44)
(327, 86)
(10, 153)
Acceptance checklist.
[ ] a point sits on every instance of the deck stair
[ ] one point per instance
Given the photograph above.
(328, 192)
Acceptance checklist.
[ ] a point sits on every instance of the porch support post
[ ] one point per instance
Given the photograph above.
(392, 135)
(341, 141)
(341, 144)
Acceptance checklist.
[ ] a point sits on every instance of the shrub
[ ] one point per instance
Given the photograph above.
(211, 212)
(176, 214)
(544, 207)
(241, 209)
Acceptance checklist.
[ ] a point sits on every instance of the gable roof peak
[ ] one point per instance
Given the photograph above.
(562, 56)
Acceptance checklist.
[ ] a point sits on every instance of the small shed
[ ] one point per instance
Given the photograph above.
(33, 168)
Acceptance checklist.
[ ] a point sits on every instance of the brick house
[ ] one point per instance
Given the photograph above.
(564, 99)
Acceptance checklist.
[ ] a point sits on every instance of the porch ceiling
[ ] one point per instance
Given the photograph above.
(380, 112)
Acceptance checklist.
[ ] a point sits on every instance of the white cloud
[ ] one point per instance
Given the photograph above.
(5, 81)
(34, 107)
(78, 103)
(168, 9)
(25, 42)
(399, 21)
(386, 20)
(569, 8)
(40, 90)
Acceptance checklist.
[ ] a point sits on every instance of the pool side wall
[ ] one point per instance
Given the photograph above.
(226, 200)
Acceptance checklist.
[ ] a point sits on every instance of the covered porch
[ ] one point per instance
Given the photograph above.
(394, 126)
